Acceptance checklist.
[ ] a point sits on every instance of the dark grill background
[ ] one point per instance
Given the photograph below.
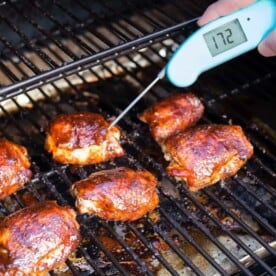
(48, 40)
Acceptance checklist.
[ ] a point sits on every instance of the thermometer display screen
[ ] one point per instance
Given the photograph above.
(225, 37)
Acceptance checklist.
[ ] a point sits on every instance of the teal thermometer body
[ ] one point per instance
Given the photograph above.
(221, 40)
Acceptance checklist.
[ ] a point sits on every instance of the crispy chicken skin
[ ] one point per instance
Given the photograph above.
(14, 167)
(82, 138)
(117, 194)
(173, 114)
(36, 239)
(206, 154)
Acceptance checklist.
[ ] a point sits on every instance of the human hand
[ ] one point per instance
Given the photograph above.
(266, 48)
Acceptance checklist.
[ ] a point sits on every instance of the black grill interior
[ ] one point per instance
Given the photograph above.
(228, 228)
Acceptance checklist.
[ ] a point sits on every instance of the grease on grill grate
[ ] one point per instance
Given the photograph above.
(209, 231)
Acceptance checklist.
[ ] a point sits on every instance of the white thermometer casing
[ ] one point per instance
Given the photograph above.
(197, 53)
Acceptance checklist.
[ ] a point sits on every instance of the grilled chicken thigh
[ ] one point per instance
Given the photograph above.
(117, 194)
(14, 167)
(206, 154)
(171, 115)
(83, 138)
(36, 239)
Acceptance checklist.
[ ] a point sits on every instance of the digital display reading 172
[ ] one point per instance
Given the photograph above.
(225, 37)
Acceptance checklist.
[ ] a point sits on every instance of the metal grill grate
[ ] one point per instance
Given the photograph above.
(225, 229)
(33, 31)
(210, 232)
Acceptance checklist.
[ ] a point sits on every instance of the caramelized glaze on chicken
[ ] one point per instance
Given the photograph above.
(83, 138)
(36, 239)
(14, 167)
(173, 114)
(206, 154)
(117, 194)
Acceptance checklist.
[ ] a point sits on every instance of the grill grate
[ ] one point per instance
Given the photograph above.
(233, 211)
(227, 228)
(33, 31)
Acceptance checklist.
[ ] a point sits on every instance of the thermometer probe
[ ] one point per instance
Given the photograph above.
(215, 43)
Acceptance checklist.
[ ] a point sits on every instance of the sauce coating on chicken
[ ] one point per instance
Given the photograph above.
(117, 194)
(36, 239)
(14, 167)
(206, 154)
(82, 138)
(172, 115)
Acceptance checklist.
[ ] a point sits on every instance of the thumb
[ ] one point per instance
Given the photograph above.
(267, 47)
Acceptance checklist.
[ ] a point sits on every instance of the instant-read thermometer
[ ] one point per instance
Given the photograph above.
(215, 43)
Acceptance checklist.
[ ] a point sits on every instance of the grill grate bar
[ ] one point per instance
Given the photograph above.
(21, 57)
(19, 68)
(179, 252)
(64, 29)
(49, 36)
(105, 251)
(9, 74)
(208, 234)
(155, 253)
(103, 39)
(236, 239)
(31, 47)
(249, 251)
(134, 26)
(258, 181)
(256, 197)
(120, 36)
(263, 166)
(134, 256)
(14, 121)
(90, 261)
(259, 219)
(213, 239)
(186, 235)
(234, 216)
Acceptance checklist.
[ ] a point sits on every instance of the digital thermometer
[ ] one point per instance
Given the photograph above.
(221, 40)
(215, 43)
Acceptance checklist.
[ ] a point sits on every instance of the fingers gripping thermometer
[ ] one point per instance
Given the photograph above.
(215, 43)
